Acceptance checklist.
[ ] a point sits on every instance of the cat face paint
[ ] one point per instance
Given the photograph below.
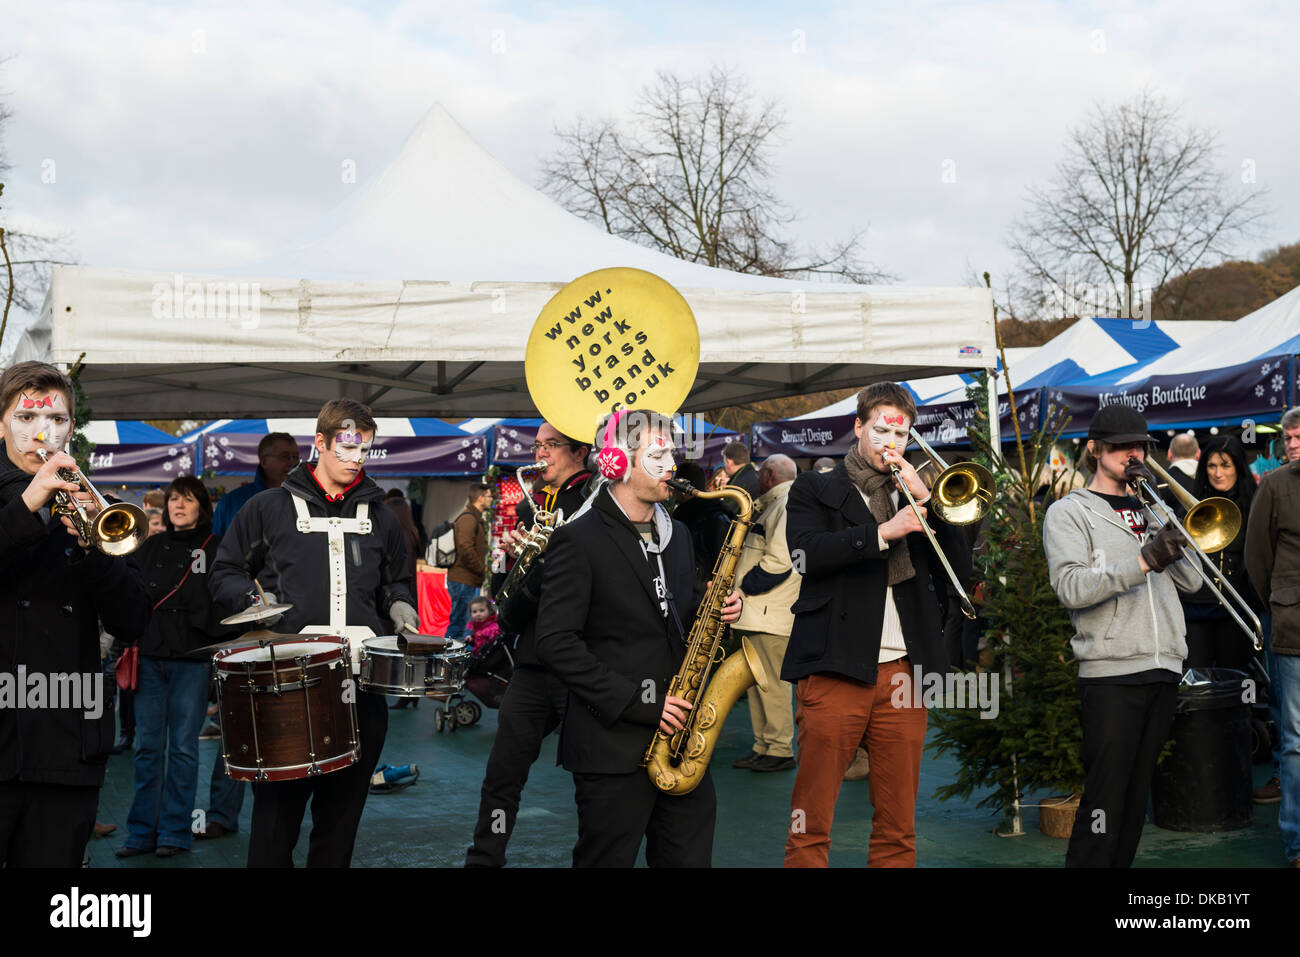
(352, 446)
(890, 427)
(657, 460)
(39, 421)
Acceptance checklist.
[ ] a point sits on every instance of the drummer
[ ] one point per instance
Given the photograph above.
(321, 543)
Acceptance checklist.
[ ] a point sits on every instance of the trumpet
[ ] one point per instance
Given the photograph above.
(1209, 525)
(961, 495)
(117, 529)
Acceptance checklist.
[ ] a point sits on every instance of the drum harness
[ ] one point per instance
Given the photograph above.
(335, 529)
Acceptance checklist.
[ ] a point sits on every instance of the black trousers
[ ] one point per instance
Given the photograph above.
(1124, 728)
(615, 811)
(45, 825)
(1217, 643)
(532, 708)
(337, 800)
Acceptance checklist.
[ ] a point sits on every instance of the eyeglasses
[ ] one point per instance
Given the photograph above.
(549, 446)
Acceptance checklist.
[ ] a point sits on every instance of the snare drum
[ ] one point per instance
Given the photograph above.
(388, 669)
(286, 712)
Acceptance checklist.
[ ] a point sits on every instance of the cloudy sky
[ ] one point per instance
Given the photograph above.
(176, 136)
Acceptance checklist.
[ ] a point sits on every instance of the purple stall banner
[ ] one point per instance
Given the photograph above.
(140, 464)
(236, 454)
(510, 444)
(1231, 395)
(829, 435)
(946, 426)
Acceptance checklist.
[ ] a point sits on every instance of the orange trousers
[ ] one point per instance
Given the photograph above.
(835, 716)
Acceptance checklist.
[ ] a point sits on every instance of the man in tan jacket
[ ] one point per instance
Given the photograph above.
(770, 585)
(466, 576)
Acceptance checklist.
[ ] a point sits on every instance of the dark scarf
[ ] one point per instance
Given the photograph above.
(877, 486)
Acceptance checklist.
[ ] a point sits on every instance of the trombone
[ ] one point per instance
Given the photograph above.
(961, 495)
(1209, 525)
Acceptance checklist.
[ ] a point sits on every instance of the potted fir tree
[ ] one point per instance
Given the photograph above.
(1035, 742)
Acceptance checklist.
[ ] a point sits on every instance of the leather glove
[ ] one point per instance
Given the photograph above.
(1135, 471)
(1165, 549)
(404, 617)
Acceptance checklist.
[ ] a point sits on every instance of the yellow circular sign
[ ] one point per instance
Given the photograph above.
(613, 339)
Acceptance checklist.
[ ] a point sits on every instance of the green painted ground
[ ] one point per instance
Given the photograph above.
(430, 824)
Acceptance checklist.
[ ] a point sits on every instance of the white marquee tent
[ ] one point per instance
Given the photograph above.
(416, 296)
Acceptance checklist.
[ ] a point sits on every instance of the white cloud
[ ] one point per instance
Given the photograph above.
(185, 138)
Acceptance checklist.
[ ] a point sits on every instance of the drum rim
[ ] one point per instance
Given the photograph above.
(333, 648)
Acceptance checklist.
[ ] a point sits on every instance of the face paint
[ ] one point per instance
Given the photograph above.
(657, 460)
(351, 447)
(889, 429)
(39, 423)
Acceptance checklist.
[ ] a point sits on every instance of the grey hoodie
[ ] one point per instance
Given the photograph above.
(1125, 621)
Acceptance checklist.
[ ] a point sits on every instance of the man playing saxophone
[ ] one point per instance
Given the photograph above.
(534, 702)
(616, 606)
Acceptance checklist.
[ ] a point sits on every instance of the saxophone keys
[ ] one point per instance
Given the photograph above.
(707, 717)
(689, 768)
(665, 780)
(695, 748)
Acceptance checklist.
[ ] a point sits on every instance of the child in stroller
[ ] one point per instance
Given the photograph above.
(486, 675)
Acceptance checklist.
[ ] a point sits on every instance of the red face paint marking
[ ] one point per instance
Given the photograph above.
(895, 419)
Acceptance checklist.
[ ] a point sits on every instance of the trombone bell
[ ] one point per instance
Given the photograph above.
(1211, 522)
(963, 493)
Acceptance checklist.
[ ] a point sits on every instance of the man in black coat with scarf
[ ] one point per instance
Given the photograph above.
(617, 604)
(867, 627)
(56, 715)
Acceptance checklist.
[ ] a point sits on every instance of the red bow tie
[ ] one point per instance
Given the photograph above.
(38, 404)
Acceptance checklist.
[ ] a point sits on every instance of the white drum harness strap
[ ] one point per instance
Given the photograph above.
(335, 529)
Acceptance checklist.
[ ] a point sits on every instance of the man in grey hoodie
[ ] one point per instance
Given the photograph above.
(1120, 583)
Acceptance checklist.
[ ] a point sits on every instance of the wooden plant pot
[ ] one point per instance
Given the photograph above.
(1056, 815)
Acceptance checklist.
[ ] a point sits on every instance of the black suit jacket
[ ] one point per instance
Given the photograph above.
(841, 607)
(601, 632)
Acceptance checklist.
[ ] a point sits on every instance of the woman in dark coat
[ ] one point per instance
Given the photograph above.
(173, 690)
(1213, 638)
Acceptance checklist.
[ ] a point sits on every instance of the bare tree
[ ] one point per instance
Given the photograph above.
(27, 256)
(688, 175)
(1138, 199)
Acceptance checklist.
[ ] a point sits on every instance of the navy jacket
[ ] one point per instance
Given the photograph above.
(841, 607)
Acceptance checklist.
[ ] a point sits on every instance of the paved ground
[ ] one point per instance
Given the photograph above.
(430, 824)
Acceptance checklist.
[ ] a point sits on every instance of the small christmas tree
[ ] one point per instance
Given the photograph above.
(1035, 741)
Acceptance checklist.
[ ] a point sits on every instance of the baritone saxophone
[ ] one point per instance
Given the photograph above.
(676, 763)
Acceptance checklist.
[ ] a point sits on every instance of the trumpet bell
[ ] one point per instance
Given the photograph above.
(120, 528)
(1213, 523)
(963, 493)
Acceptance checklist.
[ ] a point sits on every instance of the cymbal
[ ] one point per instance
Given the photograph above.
(249, 639)
(258, 612)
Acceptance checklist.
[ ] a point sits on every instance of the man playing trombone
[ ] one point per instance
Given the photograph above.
(1110, 572)
(867, 618)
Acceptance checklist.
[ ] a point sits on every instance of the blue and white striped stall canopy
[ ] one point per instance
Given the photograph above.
(1095, 347)
(923, 390)
(387, 427)
(1271, 330)
(110, 432)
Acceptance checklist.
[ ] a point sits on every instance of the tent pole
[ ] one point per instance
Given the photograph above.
(995, 427)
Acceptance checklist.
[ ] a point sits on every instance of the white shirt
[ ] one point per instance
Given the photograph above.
(892, 645)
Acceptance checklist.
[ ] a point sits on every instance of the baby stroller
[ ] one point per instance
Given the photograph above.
(487, 675)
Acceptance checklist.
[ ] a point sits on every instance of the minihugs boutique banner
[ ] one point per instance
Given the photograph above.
(1255, 388)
